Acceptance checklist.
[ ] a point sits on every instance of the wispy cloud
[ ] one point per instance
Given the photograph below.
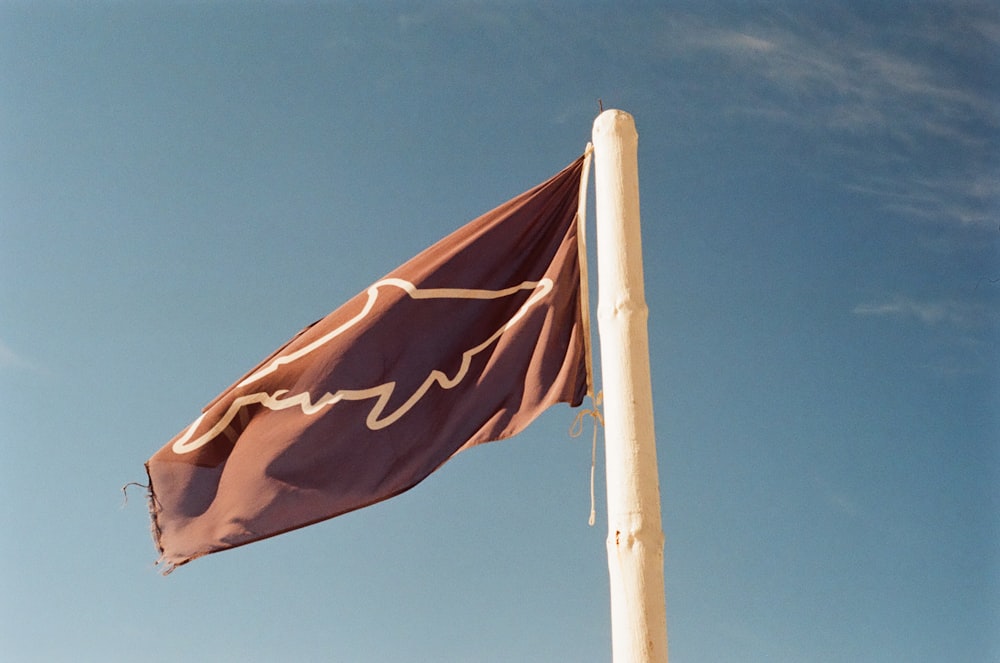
(970, 201)
(962, 332)
(10, 360)
(909, 97)
(864, 82)
(930, 313)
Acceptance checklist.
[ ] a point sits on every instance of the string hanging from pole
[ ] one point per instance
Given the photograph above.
(576, 429)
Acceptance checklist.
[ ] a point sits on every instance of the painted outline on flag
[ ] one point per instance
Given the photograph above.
(382, 392)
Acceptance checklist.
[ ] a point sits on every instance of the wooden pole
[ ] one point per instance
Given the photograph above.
(635, 533)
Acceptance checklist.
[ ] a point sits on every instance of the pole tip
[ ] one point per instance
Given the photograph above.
(614, 121)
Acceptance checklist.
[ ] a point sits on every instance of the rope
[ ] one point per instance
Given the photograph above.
(576, 429)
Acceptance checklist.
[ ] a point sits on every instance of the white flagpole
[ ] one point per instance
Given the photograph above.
(635, 533)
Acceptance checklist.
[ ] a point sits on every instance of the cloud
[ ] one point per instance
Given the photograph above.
(10, 360)
(967, 201)
(908, 96)
(862, 83)
(961, 339)
(952, 312)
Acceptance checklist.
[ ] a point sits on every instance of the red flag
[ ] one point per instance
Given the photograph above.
(466, 343)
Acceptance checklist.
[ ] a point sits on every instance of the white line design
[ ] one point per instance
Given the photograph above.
(375, 421)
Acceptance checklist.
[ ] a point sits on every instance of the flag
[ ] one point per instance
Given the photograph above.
(466, 343)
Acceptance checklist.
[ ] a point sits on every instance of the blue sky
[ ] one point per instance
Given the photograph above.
(185, 185)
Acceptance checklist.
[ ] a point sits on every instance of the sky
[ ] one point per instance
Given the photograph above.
(184, 185)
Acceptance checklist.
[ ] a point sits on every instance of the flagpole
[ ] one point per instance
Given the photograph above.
(635, 533)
